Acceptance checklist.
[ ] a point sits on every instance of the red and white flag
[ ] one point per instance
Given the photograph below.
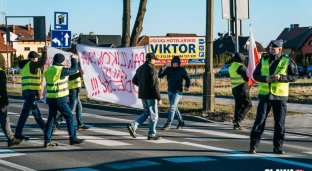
(254, 59)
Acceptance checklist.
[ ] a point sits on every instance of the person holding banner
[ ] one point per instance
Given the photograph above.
(175, 75)
(4, 102)
(240, 90)
(57, 97)
(274, 72)
(146, 79)
(31, 85)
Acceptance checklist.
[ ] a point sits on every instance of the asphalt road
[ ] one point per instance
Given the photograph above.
(108, 146)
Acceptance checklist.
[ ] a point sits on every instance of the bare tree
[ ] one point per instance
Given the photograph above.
(138, 25)
(125, 41)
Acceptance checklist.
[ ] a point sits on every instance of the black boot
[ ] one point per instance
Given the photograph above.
(76, 141)
(252, 150)
(181, 124)
(278, 151)
(15, 141)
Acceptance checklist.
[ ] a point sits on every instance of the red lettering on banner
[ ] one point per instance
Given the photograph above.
(125, 59)
(95, 87)
(104, 58)
(114, 59)
(113, 78)
(110, 86)
(109, 73)
(88, 57)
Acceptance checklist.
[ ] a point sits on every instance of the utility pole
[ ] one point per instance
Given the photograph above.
(236, 26)
(208, 88)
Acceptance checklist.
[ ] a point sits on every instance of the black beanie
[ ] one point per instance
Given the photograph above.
(59, 58)
(33, 54)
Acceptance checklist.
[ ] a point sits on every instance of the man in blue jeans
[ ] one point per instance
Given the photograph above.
(31, 85)
(74, 86)
(57, 98)
(146, 79)
(175, 75)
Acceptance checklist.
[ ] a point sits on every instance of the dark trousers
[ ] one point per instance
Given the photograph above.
(29, 105)
(243, 103)
(279, 112)
(64, 109)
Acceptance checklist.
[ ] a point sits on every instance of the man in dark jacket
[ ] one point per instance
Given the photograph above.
(147, 80)
(274, 72)
(240, 90)
(57, 97)
(31, 85)
(4, 102)
(175, 75)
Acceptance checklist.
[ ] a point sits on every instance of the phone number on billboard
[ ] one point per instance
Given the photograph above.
(181, 56)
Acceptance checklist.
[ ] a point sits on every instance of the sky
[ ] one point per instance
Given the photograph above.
(268, 17)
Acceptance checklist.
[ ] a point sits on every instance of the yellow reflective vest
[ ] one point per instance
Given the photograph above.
(236, 79)
(277, 88)
(30, 81)
(56, 87)
(76, 83)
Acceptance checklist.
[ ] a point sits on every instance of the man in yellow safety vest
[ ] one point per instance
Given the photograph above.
(274, 72)
(74, 86)
(240, 90)
(57, 97)
(31, 85)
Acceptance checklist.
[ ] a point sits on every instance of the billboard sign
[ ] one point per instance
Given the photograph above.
(187, 48)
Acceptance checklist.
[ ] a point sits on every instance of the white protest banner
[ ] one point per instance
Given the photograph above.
(108, 73)
(50, 54)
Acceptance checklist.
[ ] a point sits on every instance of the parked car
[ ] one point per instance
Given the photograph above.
(224, 71)
(309, 71)
(301, 70)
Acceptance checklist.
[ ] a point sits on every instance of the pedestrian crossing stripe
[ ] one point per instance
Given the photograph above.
(140, 137)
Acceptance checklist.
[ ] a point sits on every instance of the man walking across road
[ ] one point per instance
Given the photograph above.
(74, 86)
(175, 75)
(273, 73)
(240, 90)
(147, 80)
(57, 97)
(4, 102)
(31, 84)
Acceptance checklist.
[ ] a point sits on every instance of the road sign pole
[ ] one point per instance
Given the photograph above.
(208, 88)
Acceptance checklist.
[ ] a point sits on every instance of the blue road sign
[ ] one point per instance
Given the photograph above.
(201, 48)
(61, 39)
(61, 20)
(201, 41)
(201, 54)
